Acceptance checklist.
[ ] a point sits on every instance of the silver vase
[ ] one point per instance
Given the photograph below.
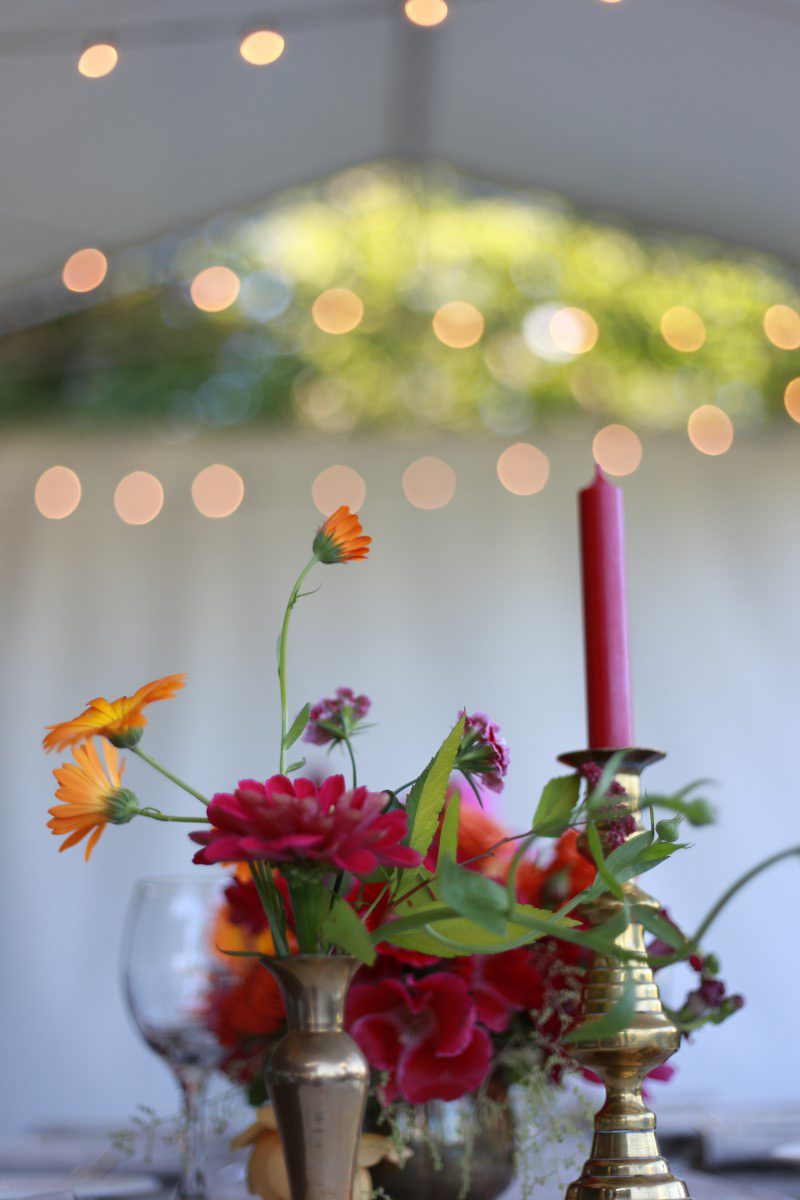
(317, 1077)
(460, 1149)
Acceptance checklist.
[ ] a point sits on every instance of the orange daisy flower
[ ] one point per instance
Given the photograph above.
(122, 721)
(92, 795)
(341, 538)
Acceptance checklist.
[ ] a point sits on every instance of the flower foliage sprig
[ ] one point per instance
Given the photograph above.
(312, 850)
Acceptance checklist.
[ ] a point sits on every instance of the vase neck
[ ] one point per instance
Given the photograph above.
(314, 989)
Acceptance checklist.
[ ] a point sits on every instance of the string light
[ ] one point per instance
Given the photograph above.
(337, 311)
(458, 324)
(791, 398)
(426, 12)
(523, 469)
(573, 331)
(683, 329)
(215, 289)
(617, 450)
(262, 47)
(217, 491)
(338, 485)
(429, 483)
(710, 430)
(782, 327)
(138, 498)
(57, 493)
(84, 270)
(98, 60)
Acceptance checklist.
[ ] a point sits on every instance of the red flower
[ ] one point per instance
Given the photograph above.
(251, 1009)
(424, 1033)
(285, 821)
(502, 984)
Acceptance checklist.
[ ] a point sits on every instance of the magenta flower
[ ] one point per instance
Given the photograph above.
(423, 1032)
(483, 752)
(285, 821)
(336, 718)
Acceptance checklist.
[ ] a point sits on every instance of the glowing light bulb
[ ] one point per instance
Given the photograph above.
(217, 491)
(98, 60)
(458, 324)
(138, 498)
(429, 483)
(262, 47)
(782, 327)
(617, 450)
(426, 12)
(337, 311)
(523, 469)
(710, 430)
(215, 289)
(84, 270)
(338, 485)
(57, 493)
(683, 329)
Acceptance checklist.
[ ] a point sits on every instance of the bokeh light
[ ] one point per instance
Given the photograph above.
(217, 491)
(710, 430)
(782, 326)
(338, 485)
(573, 330)
(262, 47)
(84, 270)
(429, 483)
(338, 310)
(617, 450)
(57, 493)
(791, 398)
(458, 324)
(523, 469)
(426, 12)
(215, 289)
(683, 329)
(98, 60)
(138, 498)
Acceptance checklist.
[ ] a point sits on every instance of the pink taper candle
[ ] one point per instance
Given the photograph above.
(605, 616)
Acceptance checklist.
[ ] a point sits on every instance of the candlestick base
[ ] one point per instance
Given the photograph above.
(625, 1162)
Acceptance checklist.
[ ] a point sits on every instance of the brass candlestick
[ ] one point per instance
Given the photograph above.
(625, 1162)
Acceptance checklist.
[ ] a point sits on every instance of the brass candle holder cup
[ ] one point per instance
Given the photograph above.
(625, 1161)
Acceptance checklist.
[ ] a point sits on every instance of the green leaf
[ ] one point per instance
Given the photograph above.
(297, 726)
(558, 799)
(625, 863)
(295, 766)
(611, 1023)
(473, 896)
(605, 872)
(432, 792)
(654, 923)
(343, 927)
(448, 841)
(459, 936)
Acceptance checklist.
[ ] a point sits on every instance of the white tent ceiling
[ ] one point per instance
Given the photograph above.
(679, 113)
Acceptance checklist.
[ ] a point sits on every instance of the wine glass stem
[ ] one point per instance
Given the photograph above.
(192, 1184)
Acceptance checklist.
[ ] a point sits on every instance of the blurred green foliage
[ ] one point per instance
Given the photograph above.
(407, 242)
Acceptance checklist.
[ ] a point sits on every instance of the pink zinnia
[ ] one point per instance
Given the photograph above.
(423, 1032)
(286, 821)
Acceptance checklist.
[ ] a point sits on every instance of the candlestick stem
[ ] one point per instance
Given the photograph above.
(625, 1162)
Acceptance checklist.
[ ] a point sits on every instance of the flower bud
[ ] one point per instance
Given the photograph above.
(700, 812)
(122, 806)
(668, 830)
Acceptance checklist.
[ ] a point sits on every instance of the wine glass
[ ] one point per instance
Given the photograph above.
(172, 975)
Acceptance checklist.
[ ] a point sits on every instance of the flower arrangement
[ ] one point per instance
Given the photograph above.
(470, 938)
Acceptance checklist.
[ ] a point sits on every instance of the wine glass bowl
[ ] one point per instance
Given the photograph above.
(173, 975)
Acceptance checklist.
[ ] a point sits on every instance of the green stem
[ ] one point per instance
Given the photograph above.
(742, 881)
(293, 598)
(272, 904)
(347, 743)
(168, 774)
(155, 815)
